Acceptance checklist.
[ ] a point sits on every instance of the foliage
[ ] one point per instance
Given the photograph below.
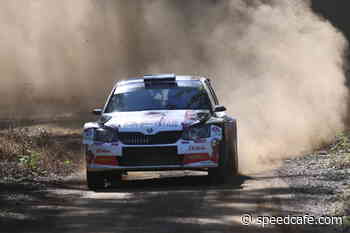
(28, 152)
(31, 161)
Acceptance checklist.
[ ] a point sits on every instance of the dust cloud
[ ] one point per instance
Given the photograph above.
(277, 66)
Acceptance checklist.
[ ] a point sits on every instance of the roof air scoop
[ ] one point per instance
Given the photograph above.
(159, 77)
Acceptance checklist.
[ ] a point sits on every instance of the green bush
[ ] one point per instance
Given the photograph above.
(30, 161)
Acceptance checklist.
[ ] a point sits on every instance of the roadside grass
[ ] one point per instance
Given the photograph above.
(33, 155)
(30, 153)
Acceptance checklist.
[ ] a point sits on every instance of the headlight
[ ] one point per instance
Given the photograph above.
(105, 135)
(195, 133)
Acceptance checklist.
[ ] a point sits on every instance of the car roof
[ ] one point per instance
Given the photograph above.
(177, 78)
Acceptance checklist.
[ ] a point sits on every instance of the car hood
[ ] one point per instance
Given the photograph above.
(152, 122)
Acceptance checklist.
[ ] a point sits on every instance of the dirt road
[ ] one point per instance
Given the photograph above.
(159, 202)
(152, 202)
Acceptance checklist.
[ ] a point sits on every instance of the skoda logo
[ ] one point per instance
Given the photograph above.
(149, 130)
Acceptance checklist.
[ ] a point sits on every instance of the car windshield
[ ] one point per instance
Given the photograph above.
(164, 98)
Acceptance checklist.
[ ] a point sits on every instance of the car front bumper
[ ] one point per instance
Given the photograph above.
(201, 154)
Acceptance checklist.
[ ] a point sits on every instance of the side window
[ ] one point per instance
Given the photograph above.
(209, 94)
(212, 93)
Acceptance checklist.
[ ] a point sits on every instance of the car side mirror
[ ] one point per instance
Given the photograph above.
(97, 112)
(219, 108)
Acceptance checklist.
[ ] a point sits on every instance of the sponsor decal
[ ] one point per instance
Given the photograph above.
(200, 140)
(197, 148)
(162, 120)
(103, 151)
(155, 114)
(163, 123)
(149, 119)
(170, 123)
(131, 125)
(194, 158)
(191, 116)
(106, 160)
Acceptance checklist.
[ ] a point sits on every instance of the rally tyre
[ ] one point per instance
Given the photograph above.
(95, 180)
(102, 180)
(228, 164)
(115, 179)
(225, 171)
(235, 157)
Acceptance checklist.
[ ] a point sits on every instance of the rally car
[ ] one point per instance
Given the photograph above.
(160, 122)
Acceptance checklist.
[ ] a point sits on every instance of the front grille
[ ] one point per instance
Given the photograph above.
(134, 138)
(150, 156)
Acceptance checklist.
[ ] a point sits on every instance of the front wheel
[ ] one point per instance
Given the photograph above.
(102, 180)
(95, 180)
(228, 164)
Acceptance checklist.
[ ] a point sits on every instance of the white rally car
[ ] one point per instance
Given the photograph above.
(160, 122)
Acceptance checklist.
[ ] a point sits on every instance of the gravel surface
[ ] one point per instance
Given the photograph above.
(318, 182)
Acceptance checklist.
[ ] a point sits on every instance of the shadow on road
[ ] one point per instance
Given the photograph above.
(192, 182)
(165, 183)
(167, 204)
(173, 204)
